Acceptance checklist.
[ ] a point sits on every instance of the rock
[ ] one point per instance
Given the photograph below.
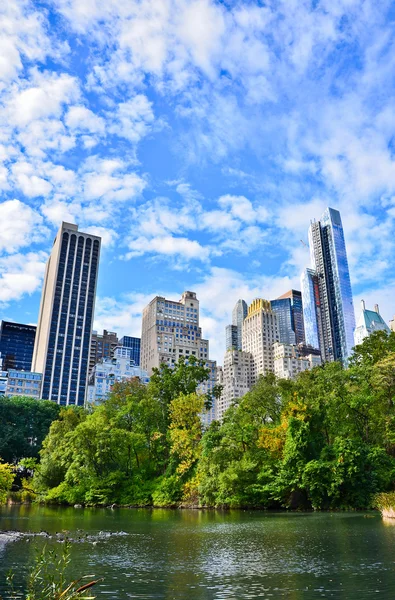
(77, 505)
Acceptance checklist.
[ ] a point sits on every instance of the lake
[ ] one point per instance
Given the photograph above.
(213, 555)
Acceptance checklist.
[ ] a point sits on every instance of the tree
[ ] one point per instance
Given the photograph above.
(6, 478)
(24, 424)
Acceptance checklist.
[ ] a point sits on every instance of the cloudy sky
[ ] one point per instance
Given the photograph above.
(198, 138)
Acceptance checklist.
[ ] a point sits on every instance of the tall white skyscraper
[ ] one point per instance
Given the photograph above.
(62, 345)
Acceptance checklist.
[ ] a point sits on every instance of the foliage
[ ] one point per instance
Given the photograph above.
(24, 425)
(47, 578)
(323, 441)
(6, 478)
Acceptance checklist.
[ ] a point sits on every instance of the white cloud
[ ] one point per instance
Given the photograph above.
(20, 226)
(183, 248)
(80, 118)
(21, 274)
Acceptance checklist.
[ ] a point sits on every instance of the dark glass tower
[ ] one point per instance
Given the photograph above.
(283, 309)
(61, 351)
(335, 308)
(134, 344)
(16, 345)
(296, 309)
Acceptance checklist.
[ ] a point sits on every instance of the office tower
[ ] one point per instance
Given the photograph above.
(62, 347)
(283, 309)
(330, 267)
(239, 313)
(369, 321)
(260, 331)
(3, 378)
(16, 345)
(311, 309)
(134, 343)
(236, 379)
(290, 360)
(295, 298)
(120, 367)
(102, 346)
(231, 337)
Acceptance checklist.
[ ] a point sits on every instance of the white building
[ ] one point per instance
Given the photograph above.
(369, 321)
(23, 383)
(290, 360)
(260, 332)
(3, 378)
(236, 378)
(111, 370)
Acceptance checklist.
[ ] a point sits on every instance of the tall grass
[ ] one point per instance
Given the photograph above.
(47, 579)
(385, 502)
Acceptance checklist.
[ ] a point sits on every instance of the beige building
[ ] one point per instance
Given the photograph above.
(102, 346)
(62, 344)
(236, 378)
(392, 324)
(170, 330)
(260, 332)
(290, 360)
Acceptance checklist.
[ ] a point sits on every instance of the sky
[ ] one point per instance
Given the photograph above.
(198, 138)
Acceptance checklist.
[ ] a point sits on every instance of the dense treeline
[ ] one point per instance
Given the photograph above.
(326, 440)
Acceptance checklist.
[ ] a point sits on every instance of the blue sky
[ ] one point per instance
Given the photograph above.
(198, 138)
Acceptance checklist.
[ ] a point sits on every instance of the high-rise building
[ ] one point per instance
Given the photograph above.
(102, 346)
(133, 343)
(283, 309)
(290, 360)
(239, 313)
(330, 266)
(16, 345)
(23, 383)
(260, 331)
(62, 347)
(170, 330)
(311, 309)
(369, 321)
(295, 298)
(236, 379)
(231, 337)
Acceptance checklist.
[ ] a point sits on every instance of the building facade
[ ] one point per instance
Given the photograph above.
(335, 303)
(112, 370)
(24, 383)
(236, 379)
(231, 337)
(62, 346)
(3, 378)
(170, 330)
(239, 313)
(134, 344)
(290, 360)
(260, 332)
(297, 323)
(283, 309)
(102, 346)
(16, 345)
(369, 321)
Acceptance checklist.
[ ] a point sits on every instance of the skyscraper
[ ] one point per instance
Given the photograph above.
(231, 337)
(239, 313)
(16, 345)
(61, 351)
(336, 310)
(102, 346)
(295, 298)
(283, 309)
(260, 332)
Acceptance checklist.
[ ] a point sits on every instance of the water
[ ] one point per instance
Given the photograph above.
(212, 555)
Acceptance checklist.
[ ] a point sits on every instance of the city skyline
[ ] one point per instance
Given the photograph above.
(197, 148)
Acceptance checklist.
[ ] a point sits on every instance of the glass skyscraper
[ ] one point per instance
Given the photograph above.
(283, 309)
(231, 337)
(61, 351)
(334, 305)
(16, 345)
(134, 344)
(239, 313)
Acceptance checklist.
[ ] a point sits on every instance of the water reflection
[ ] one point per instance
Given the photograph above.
(209, 555)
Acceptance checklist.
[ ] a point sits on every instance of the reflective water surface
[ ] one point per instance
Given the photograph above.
(207, 555)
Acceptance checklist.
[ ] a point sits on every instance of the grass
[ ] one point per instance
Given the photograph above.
(47, 579)
(385, 502)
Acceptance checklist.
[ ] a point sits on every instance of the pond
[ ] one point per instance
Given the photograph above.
(212, 555)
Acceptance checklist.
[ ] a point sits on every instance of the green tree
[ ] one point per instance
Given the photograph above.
(6, 478)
